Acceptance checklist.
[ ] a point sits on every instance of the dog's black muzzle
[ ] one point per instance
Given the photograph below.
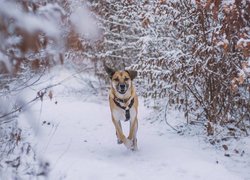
(122, 88)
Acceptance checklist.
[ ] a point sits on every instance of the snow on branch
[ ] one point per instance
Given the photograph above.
(29, 21)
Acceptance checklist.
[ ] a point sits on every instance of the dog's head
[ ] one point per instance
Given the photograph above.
(121, 80)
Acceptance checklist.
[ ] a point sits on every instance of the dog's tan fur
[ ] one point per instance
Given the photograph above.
(124, 77)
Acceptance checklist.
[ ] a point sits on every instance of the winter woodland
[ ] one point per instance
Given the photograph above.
(193, 64)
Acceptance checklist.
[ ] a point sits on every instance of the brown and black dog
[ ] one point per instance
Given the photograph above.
(123, 103)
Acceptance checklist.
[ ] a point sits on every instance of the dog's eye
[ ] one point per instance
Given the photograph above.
(116, 79)
(126, 79)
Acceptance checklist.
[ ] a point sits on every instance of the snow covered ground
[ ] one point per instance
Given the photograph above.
(77, 137)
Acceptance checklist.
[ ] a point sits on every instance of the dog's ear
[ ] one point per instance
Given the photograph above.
(132, 74)
(110, 71)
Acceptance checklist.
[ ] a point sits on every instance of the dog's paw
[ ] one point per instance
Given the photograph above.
(128, 143)
(119, 141)
(134, 148)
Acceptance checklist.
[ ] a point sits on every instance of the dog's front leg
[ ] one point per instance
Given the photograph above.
(120, 135)
(119, 141)
(133, 132)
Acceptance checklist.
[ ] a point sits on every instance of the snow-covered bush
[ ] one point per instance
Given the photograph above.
(190, 55)
(204, 70)
(34, 36)
(28, 31)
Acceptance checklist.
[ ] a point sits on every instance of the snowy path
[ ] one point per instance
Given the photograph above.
(78, 139)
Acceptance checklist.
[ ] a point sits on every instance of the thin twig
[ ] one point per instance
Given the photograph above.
(40, 94)
(166, 121)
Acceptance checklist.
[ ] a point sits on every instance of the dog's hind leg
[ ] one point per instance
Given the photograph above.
(134, 146)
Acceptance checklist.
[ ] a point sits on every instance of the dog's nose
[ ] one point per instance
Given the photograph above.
(122, 86)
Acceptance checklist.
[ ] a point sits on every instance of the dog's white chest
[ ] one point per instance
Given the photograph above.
(119, 114)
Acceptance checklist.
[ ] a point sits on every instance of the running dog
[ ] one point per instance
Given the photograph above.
(123, 103)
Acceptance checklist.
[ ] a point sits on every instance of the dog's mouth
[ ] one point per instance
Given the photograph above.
(122, 91)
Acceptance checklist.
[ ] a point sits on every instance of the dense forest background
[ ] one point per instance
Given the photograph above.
(193, 56)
